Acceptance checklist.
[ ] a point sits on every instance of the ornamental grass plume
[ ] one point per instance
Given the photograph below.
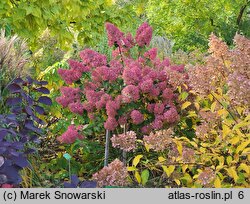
(13, 58)
(115, 174)
(125, 141)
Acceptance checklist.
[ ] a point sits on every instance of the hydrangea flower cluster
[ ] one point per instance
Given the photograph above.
(71, 135)
(160, 140)
(225, 67)
(115, 174)
(125, 142)
(128, 90)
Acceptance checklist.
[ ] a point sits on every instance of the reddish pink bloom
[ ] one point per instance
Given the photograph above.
(122, 120)
(115, 36)
(167, 94)
(92, 58)
(132, 74)
(158, 108)
(76, 107)
(137, 117)
(146, 85)
(69, 95)
(111, 108)
(69, 76)
(151, 54)
(144, 35)
(171, 115)
(102, 102)
(130, 93)
(110, 124)
(157, 124)
(78, 66)
(70, 135)
(150, 107)
(146, 129)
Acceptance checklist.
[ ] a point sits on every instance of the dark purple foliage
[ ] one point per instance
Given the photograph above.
(19, 126)
(75, 182)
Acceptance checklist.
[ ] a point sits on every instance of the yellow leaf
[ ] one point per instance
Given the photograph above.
(138, 177)
(222, 112)
(210, 97)
(244, 167)
(213, 106)
(246, 151)
(131, 168)
(147, 147)
(232, 173)
(168, 170)
(217, 182)
(221, 160)
(177, 182)
(185, 105)
(229, 160)
(136, 160)
(225, 130)
(179, 147)
(197, 106)
(239, 110)
(235, 140)
(241, 124)
(242, 146)
(161, 159)
(184, 168)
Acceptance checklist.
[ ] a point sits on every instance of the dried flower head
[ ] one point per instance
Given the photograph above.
(159, 140)
(115, 174)
(126, 142)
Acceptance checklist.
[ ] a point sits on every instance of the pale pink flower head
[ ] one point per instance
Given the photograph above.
(125, 142)
(115, 174)
(137, 117)
(160, 140)
(144, 35)
(115, 36)
(70, 135)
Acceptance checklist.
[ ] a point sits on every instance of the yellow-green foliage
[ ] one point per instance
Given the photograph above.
(218, 112)
(65, 19)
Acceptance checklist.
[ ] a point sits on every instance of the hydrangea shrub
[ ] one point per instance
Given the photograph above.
(133, 88)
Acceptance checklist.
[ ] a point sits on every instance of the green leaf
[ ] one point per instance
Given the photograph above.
(144, 176)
